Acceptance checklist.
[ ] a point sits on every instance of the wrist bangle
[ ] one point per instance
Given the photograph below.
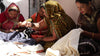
(92, 35)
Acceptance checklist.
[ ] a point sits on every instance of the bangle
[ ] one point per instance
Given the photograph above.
(92, 35)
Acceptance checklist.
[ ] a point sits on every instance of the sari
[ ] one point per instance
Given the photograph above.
(57, 21)
(87, 45)
(36, 17)
(7, 22)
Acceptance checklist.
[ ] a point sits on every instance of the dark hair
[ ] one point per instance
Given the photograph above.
(42, 7)
(83, 1)
(12, 10)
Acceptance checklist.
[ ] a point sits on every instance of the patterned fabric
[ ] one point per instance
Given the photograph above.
(58, 21)
(8, 22)
(88, 46)
(89, 23)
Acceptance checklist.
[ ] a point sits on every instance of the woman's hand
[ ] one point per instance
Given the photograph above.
(28, 24)
(25, 24)
(38, 39)
(8, 31)
(20, 24)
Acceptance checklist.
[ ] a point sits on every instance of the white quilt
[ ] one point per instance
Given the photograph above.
(67, 45)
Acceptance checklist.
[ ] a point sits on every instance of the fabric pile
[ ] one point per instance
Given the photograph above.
(67, 45)
(13, 49)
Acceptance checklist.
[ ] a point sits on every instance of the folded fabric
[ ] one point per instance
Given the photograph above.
(51, 52)
(68, 45)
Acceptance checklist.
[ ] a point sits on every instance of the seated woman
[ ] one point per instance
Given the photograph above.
(9, 22)
(37, 17)
(89, 21)
(10, 18)
(57, 22)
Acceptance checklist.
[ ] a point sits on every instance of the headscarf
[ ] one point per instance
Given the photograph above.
(14, 7)
(4, 16)
(58, 19)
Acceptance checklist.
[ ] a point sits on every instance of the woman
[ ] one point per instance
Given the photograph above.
(89, 21)
(9, 23)
(10, 18)
(37, 17)
(57, 22)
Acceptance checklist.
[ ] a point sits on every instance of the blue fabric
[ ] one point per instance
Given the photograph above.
(20, 37)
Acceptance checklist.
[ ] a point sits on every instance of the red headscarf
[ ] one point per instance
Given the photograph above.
(5, 16)
(14, 7)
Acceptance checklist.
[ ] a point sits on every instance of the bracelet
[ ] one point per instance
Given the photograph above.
(92, 35)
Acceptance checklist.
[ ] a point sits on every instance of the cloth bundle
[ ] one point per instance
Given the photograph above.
(67, 45)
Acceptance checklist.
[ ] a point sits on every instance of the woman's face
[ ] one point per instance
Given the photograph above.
(83, 8)
(42, 12)
(12, 14)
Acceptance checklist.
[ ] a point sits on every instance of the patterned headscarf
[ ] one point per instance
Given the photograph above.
(58, 19)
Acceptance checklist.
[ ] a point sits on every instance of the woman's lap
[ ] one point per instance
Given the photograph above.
(88, 47)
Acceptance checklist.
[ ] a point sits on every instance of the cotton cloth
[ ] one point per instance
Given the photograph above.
(68, 45)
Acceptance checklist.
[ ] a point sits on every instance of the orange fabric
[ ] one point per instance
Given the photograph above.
(40, 51)
(36, 17)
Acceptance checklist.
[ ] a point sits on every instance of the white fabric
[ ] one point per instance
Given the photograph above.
(51, 52)
(12, 49)
(68, 45)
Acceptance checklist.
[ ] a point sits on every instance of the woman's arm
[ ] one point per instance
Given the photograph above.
(93, 35)
(6, 31)
(51, 38)
(41, 32)
(97, 36)
(40, 25)
(1, 28)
